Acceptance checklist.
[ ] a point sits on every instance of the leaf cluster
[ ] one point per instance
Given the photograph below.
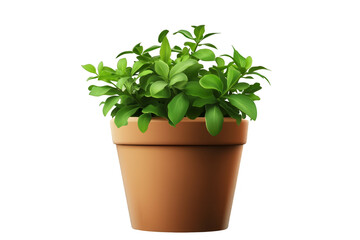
(173, 83)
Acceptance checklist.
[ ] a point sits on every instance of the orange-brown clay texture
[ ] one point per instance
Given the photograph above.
(179, 187)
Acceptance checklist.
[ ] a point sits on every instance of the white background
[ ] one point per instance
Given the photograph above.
(299, 176)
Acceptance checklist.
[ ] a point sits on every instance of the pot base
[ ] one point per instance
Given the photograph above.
(179, 188)
(154, 230)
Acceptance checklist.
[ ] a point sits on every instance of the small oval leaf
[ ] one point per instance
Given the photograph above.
(143, 122)
(193, 88)
(182, 66)
(205, 55)
(162, 69)
(211, 81)
(122, 116)
(244, 104)
(89, 68)
(233, 76)
(181, 77)
(165, 50)
(186, 34)
(162, 35)
(214, 119)
(109, 103)
(177, 108)
(157, 87)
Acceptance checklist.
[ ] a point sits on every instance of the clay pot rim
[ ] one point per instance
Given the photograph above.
(185, 119)
(186, 132)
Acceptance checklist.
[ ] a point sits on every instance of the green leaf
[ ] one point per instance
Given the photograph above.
(121, 82)
(157, 87)
(103, 90)
(114, 111)
(253, 97)
(108, 74)
(245, 104)
(122, 116)
(126, 100)
(227, 55)
(144, 73)
(177, 108)
(176, 49)
(220, 62)
(193, 88)
(205, 55)
(191, 45)
(200, 102)
(162, 35)
(136, 67)
(165, 50)
(182, 66)
(214, 119)
(186, 34)
(162, 69)
(100, 67)
(138, 49)
(193, 71)
(143, 122)
(209, 45)
(90, 78)
(211, 81)
(180, 77)
(151, 48)
(109, 77)
(199, 32)
(239, 60)
(108, 70)
(122, 53)
(222, 77)
(253, 69)
(157, 109)
(89, 68)
(248, 62)
(253, 88)
(144, 58)
(121, 65)
(232, 111)
(146, 82)
(185, 54)
(194, 112)
(262, 76)
(240, 86)
(209, 34)
(109, 103)
(233, 76)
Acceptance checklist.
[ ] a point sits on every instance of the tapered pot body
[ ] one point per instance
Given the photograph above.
(179, 179)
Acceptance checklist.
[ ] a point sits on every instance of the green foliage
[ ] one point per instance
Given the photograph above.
(162, 69)
(214, 119)
(90, 68)
(165, 50)
(177, 108)
(143, 121)
(211, 81)
(173, 83)
(204, 54)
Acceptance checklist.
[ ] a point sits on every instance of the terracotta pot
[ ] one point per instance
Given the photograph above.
(179, 179)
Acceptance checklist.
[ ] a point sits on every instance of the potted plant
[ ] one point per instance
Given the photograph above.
(179, 129)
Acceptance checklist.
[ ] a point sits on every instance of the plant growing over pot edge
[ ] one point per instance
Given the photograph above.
(180, 87)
